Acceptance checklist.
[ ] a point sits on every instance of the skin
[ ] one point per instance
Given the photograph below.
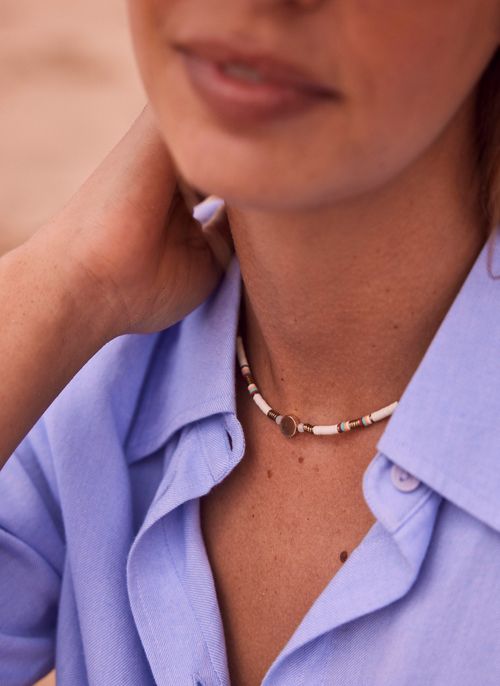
(355, 223)
(124, 255)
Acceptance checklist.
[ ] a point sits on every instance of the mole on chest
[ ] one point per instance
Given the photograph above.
(268, 570)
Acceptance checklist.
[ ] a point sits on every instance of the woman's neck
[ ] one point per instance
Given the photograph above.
(341, 302)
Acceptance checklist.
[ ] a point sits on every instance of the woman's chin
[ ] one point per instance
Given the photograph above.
(267, 195)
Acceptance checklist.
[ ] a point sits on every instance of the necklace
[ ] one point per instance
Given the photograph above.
(290, 423)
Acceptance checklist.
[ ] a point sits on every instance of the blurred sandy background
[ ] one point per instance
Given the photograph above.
(69, 89)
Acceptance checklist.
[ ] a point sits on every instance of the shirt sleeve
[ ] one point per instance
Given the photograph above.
(31, 561)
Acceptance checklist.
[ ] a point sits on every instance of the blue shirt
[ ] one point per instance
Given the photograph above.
(103, 568)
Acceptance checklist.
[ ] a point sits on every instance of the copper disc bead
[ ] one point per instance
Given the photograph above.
(288, 425)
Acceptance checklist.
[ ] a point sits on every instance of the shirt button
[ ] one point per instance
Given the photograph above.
(403, 480)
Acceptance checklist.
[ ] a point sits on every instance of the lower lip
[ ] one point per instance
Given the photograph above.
(241, 103)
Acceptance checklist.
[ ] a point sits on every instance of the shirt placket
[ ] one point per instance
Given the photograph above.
(171, 589)
(381, 570)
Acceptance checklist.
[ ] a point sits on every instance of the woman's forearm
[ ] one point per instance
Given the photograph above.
(52, 321)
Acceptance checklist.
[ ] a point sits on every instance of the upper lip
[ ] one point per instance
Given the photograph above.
(271, 68)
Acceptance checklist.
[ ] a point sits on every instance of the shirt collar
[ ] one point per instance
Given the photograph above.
(191, 373)
(445, 429)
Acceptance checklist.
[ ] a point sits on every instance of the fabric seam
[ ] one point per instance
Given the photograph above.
(163, 525)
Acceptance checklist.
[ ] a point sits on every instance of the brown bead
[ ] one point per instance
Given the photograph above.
(343, 556)
(288, 425)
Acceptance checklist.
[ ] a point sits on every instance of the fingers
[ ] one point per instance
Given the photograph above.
(191, 196)
(217, 232)
(137, 173)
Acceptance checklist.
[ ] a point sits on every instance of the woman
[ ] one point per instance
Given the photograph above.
(155, 526)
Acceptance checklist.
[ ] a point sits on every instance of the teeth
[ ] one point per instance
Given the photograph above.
(242, 71)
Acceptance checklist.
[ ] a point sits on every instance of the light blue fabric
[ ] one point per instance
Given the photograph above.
(103, 568)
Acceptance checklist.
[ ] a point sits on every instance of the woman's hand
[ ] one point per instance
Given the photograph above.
(130, 231)
(123, 255)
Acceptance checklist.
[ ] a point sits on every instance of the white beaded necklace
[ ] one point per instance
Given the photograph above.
(289, 423)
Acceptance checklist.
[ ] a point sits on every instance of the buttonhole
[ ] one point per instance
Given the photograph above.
(229, 439)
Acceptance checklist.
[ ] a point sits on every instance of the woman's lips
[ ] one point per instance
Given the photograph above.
(272, 69)
(283, 90)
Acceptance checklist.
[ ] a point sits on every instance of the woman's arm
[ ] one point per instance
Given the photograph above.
(52, 323)
(124, 255)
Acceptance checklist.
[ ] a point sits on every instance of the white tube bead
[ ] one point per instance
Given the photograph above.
(259, 400)
(384, 412)
(242, 359)
(325, 430)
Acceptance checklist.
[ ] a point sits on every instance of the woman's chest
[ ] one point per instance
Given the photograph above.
(273, 545)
